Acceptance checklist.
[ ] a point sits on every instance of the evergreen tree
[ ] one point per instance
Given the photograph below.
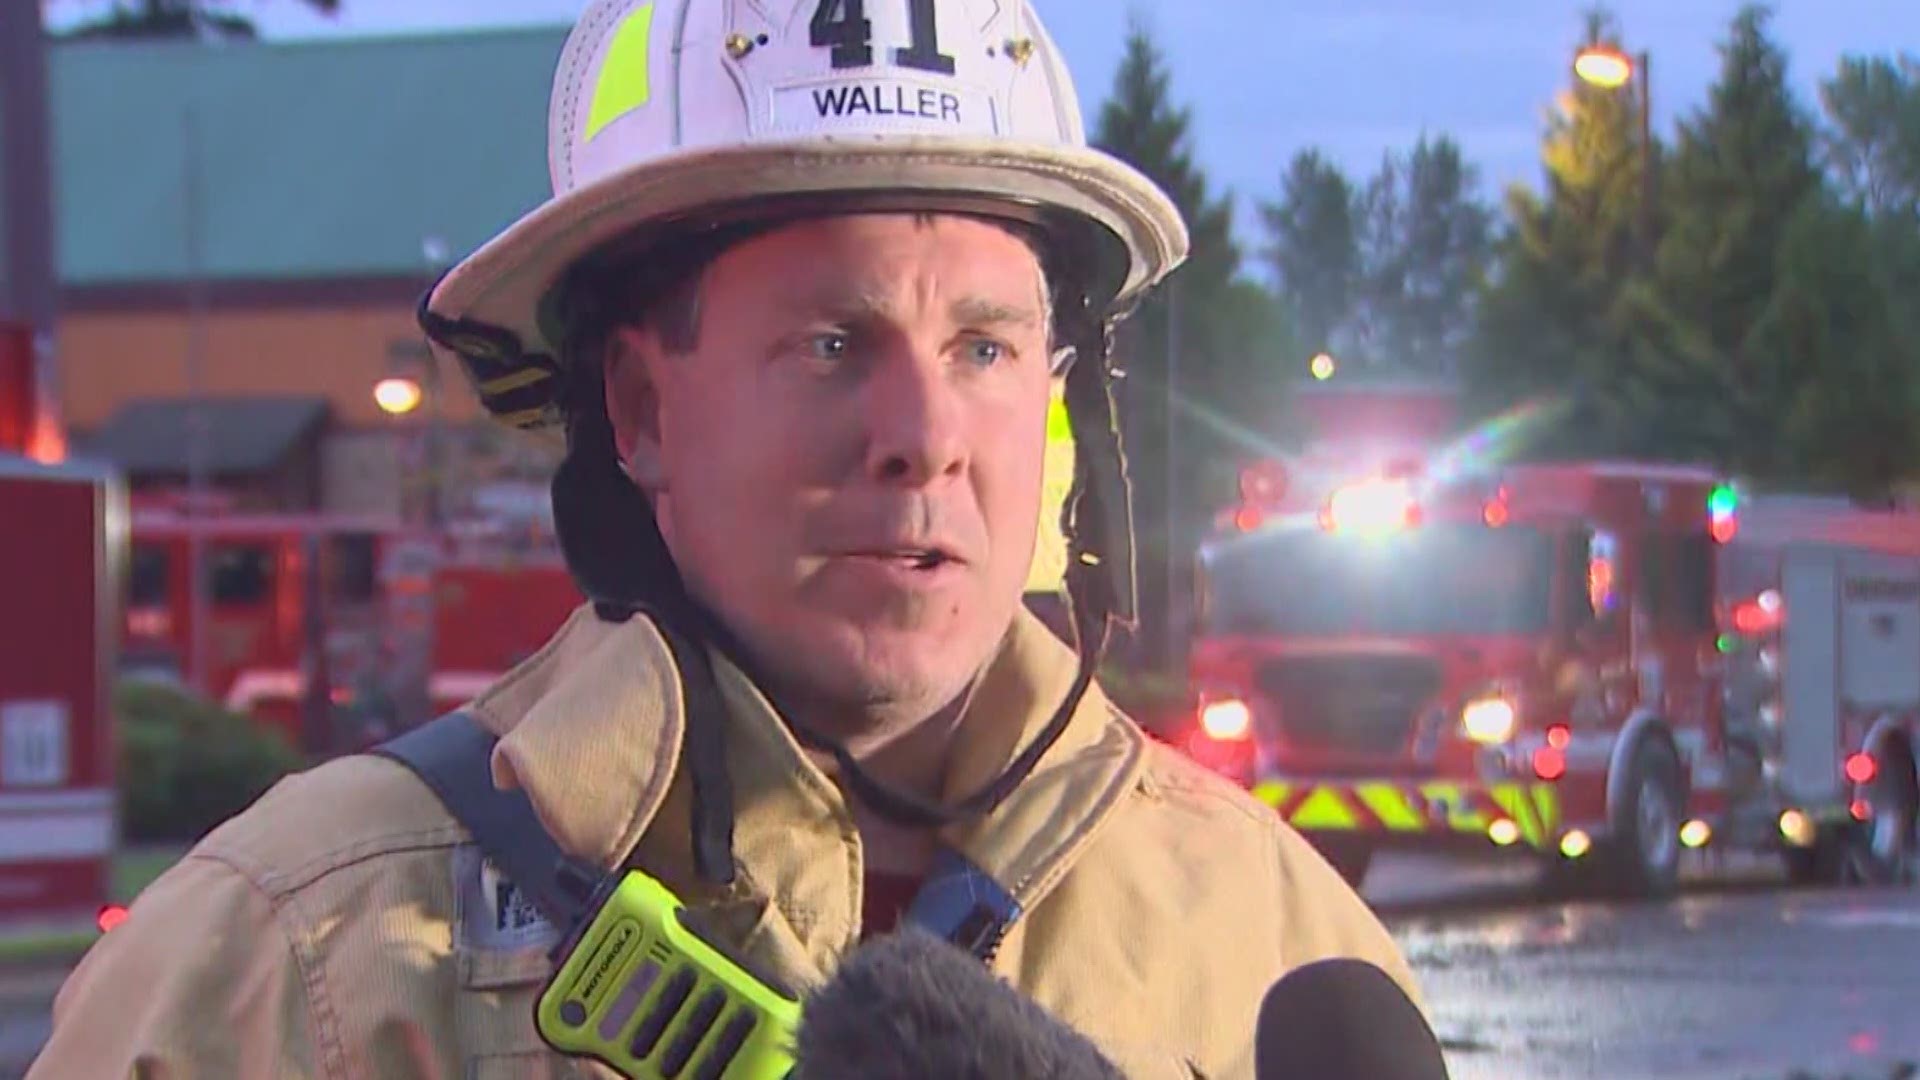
(1427, 245)
(1547, 324)
(1141, 124)
(1872, 141)
(1313, 247)
(1840, 349)
(146, 19)
(1743, 168)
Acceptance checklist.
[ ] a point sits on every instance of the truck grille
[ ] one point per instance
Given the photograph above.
(1354, 705)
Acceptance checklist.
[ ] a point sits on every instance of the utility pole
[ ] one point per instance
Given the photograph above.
(28, 292)
(1648, 185)
(198, 435)
(1171, 639)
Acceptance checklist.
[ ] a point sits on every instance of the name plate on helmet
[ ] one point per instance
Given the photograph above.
(893, 103)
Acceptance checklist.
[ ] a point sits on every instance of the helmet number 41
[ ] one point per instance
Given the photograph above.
(843, 26)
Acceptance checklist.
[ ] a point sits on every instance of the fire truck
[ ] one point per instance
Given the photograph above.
(337, 630)
(1598, 664)
(62, 549)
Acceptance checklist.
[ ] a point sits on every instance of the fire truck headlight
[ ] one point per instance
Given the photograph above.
(1227, 721)
(1489, 720)
(1372, 508)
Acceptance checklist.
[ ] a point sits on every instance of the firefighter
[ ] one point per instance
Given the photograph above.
(794, 312)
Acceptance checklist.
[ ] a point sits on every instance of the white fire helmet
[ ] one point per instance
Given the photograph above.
(678, 113)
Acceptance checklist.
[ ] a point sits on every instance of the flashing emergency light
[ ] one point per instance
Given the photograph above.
(1600, 579)
(1722, 507)
(1371, 508)
(1262, 483)
(1227, 721)
(1559, 736)
(1797, 829)
(1752, 618)
(110, 916)
(1696, 834)
(1861, 768)
(1489, 720)
(1861, 810)
(1549, 763)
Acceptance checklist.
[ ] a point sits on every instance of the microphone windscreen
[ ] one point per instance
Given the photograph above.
(910, 1005)
(1343, 1019)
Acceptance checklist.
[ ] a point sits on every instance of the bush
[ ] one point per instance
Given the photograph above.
(187, 765)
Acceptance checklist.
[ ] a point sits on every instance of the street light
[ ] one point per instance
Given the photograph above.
(1608, 68)
(397, 396)
(1601, 66)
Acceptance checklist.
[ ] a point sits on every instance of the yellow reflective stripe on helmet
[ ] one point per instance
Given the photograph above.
(523, 418)
(1059, 426)
(625, 83)
(1512, 798)
(1325, 809)
(1272, 792)
(1391, 806)
(526, 376)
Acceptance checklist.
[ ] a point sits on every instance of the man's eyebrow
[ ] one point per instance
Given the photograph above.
(979, 311)
(859, 305)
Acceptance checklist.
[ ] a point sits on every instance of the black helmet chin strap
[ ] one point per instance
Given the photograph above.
(613, 547)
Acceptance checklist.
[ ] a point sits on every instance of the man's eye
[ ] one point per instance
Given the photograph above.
(833, 346)
(985, 351)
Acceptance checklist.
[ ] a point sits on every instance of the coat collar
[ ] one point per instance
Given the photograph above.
(591, 728)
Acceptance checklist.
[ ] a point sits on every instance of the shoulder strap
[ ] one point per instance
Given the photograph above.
(452, 755)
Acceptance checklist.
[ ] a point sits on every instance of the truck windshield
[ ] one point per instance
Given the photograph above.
(1435, 579)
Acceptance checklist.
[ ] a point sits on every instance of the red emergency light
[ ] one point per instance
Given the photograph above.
(110, 917)
(1263, 483)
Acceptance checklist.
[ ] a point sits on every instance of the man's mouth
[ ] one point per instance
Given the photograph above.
(917, 558)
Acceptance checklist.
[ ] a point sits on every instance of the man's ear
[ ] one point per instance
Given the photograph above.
(632, 364)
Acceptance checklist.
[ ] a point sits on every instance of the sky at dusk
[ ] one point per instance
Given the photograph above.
(1266, 78)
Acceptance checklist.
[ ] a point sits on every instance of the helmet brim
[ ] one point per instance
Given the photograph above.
(498, 291)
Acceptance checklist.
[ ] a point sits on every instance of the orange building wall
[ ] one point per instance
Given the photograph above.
(110, 356)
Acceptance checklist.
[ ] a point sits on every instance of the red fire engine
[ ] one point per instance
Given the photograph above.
(1602, 664)
(62, 545)
(335, 629)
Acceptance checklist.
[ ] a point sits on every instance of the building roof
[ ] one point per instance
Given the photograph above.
(247, 435)
(316, 160)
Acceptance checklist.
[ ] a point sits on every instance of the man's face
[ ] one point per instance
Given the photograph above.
(847, 467)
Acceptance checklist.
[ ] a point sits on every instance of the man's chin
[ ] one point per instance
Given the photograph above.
(886, 676)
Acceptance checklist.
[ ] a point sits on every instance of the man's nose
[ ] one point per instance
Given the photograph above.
(914, 420)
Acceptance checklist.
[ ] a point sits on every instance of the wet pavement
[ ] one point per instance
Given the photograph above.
(1738, 978)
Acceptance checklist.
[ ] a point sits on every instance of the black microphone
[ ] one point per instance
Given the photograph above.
(1343, 1019)
(910, 1005)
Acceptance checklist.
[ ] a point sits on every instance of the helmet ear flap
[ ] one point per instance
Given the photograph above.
(605, 526)
(1097, 518)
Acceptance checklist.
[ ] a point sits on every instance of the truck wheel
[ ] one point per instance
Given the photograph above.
(1644, 852)
(1349, 856)
(1885, 853)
